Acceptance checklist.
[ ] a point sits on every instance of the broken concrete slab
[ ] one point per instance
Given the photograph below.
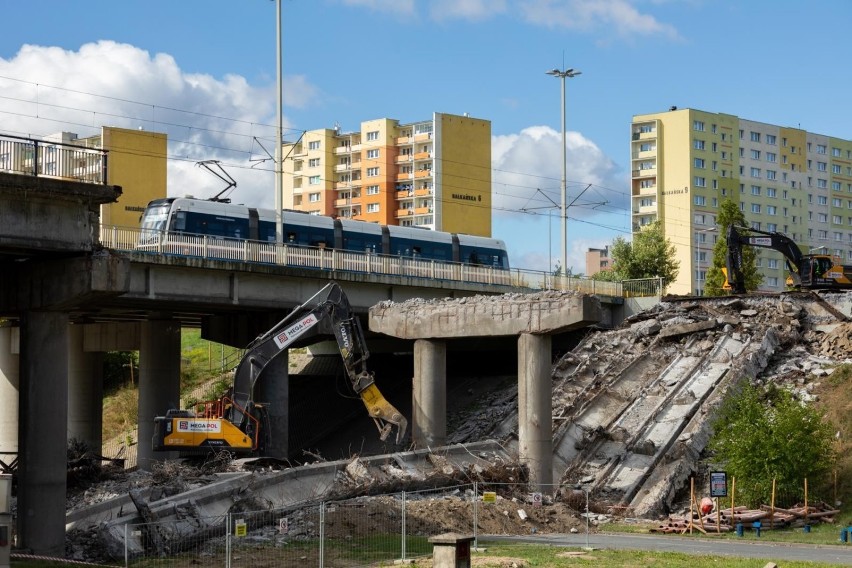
(486, 316)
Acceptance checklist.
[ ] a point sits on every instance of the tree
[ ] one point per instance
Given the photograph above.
(730, 214)
(764, 434)
(650, 255)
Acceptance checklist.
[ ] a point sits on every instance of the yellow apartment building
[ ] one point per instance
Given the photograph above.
(685, 162)
(434, 174)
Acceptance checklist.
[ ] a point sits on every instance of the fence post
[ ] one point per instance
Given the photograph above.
(475, 512)
(126, 552)
(322, 535)
(228, 540)
(403, 526)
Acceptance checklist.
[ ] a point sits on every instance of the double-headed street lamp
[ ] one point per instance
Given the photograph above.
(562, 75)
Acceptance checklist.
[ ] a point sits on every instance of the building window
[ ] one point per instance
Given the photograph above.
(372, 190)
(835, 168)
(770, 210)
(755, 172)
(770, 174)
(699, 163)
(372, 172)
(822, 217)
(837, 202)
(699, 200)
(770, 139)
(772, 281)
(698, 144)
(771, 227)
(755, 190)
(372, 135)
(314, 180)
(755, 154)
(646, 183)
(314, 197)
(372, 208)
(770, 192)
(821, 166)
(837, 219)
(373, 153)
(771, 156)
(314, 145)
(822, 235)
(835, 152)
(755, 207)
(646, 147)
(699, 219)
(314, 163)
(755, 136)
(698, 125)
(700, 182)
(821, 148)
(822, 183)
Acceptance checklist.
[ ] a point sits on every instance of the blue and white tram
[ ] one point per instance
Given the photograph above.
(188, 216)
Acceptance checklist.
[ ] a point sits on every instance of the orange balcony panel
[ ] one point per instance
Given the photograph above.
(423, 156)
(402, 140)
(423, 174)
(404, 177)
(403, 158)
(422, 192)
(404, 213)
(405, 194)
(422, 210)
(425, 136)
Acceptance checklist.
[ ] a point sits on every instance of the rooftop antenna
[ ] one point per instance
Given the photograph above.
(209, 165)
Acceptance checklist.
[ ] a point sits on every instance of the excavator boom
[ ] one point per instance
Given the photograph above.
(327, 312)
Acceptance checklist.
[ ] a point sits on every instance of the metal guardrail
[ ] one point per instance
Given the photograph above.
(134, 239)
(52, 159)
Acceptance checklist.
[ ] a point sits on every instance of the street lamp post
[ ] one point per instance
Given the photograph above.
(585, 490)
(563, 75)
(698, 255)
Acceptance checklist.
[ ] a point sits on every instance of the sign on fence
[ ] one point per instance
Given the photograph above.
(718, 484)
(489, 496)
(240, 527)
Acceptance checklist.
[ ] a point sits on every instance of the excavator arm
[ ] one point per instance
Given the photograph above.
(328, 312)
(762, 239)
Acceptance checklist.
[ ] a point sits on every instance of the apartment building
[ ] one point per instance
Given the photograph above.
(597, 259)
(434, 174)
(136, 161)
(685, 162)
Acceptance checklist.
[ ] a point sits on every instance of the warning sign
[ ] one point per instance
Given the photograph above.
(489, 497)
(240, 528)
(536, 499)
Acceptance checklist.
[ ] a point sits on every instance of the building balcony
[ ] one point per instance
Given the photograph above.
(645, 191)
(342, 167)
(348, 202)
(344, 185)
(404, 177)
(647, 172)
(403, 159)
(400, 213)
(639, 155)
(402, 140)
(423, 156)
(423, 211)
(644, 135)
(423, 192)
(423, 174)
(404, 194)
(343, 150)
(422, 137)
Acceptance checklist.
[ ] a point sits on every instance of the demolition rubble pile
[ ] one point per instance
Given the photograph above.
(633, 407)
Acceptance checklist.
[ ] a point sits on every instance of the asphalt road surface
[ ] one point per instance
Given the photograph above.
(770, 551)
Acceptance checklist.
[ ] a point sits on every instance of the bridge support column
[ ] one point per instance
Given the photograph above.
(43, 415)
(429, 408)
(9, 380)
(85, 391)
(159, 383)
(273, 388)
(535, 408)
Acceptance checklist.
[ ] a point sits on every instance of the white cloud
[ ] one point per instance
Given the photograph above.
(466, 9)
(585, 15)
(49, 89)
(531, 160)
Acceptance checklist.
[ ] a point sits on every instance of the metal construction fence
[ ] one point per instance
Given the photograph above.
(138, 240)
(361, 531)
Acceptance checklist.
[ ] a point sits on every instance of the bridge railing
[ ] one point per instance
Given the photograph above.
(52, 159)
(134, 239)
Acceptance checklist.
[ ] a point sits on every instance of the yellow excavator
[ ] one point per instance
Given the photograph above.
(807, 271)
(235, 422)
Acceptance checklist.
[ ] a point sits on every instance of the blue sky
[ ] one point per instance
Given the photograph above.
(204, 72)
